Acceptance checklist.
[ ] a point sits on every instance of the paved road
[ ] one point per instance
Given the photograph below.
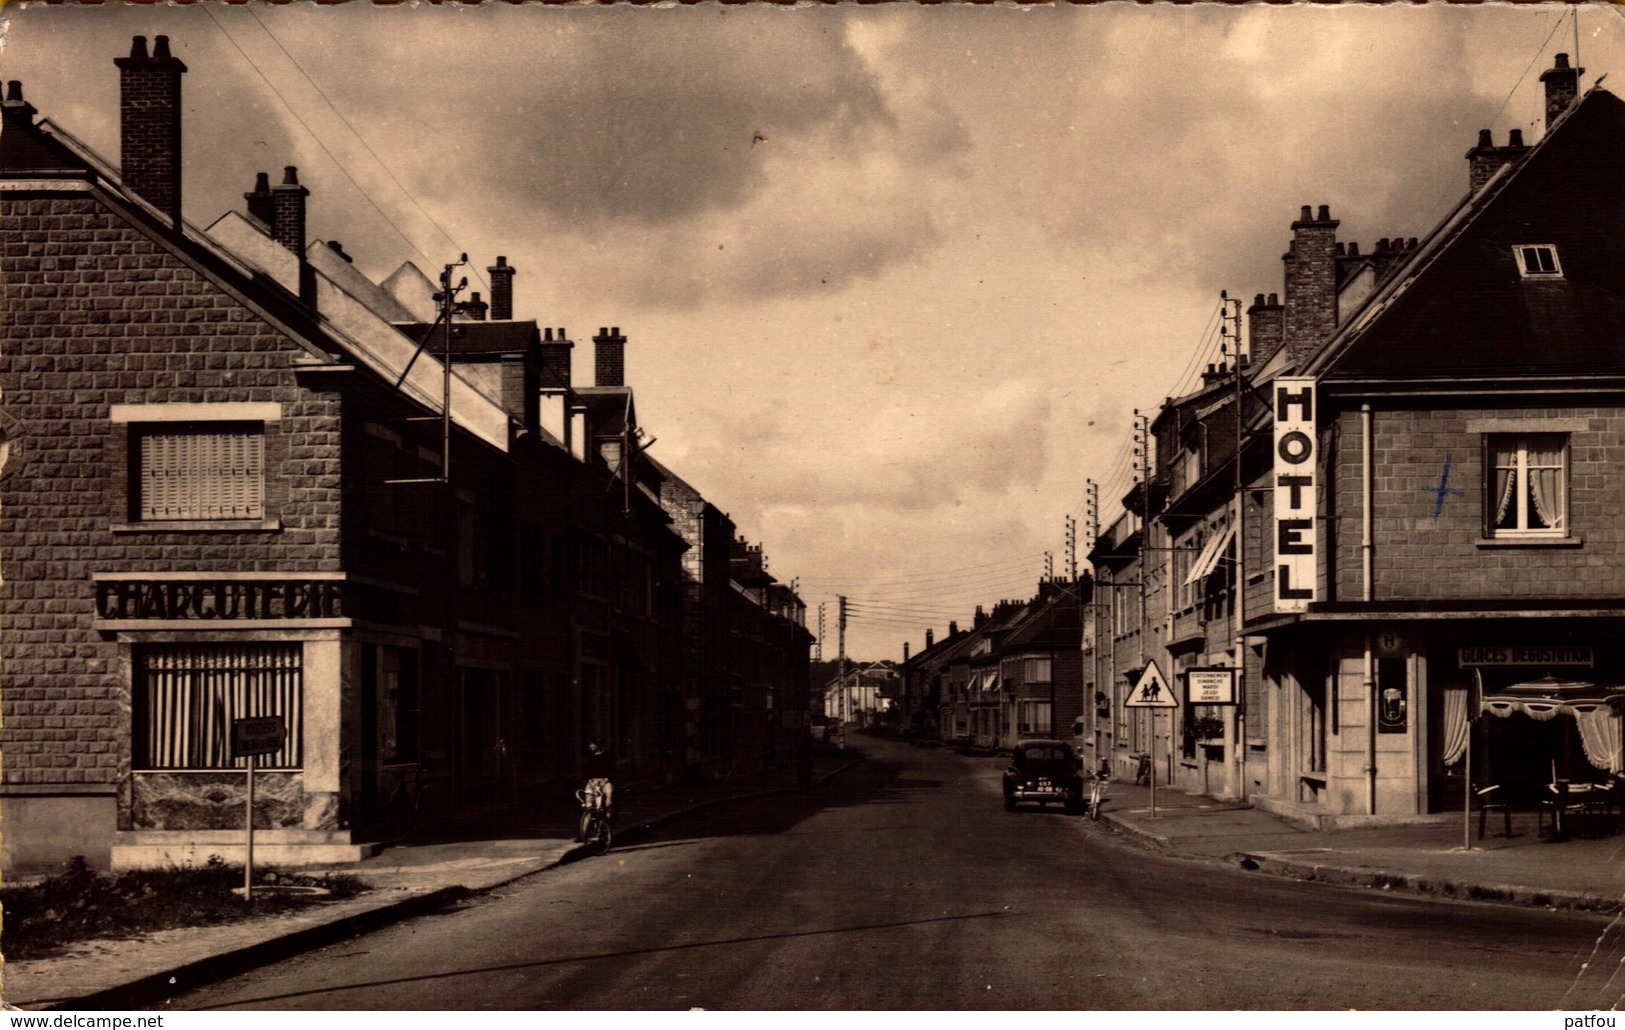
(904, 885)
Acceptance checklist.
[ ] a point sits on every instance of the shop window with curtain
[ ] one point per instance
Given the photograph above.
(187, 696)
(198, 472)
(1528, 485)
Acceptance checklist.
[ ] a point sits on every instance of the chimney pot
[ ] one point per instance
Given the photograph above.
(290, 175)
(1306, 213)
(1485, 139)
(1325, 213)
(1562, 59)
(548, 334)
(1275, 300)
(1354, 249)
(1515, 138)
(138, 48)
(14, 90)
(160, 47)
(1258, 300)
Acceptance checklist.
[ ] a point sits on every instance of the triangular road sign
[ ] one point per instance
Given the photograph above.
(1151, 691)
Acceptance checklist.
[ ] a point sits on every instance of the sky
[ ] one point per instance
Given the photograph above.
(894, 279)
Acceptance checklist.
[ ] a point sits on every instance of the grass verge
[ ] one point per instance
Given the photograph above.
(79, 904)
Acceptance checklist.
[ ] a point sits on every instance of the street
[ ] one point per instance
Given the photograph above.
(902, 884)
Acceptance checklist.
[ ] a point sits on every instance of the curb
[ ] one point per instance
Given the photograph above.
(1426, 886)
(1332, 874)
(155, 987)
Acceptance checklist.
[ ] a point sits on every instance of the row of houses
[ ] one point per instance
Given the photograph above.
(241, 479)
(1016, 672)
(1395, 508)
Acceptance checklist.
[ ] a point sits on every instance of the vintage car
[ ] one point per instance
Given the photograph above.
(1044, 771)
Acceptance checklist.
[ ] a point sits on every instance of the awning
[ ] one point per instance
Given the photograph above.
(1548, 697)
(992, 681)
(1208, 559)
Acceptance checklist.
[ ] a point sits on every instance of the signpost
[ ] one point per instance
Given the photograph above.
(249, 739)
(1152, 691)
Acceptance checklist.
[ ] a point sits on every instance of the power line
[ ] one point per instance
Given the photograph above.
(365, 145)
(312, 133)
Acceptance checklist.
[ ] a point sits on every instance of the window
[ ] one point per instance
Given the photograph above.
(1528, 484)
(1036, 670)
(198, 472)
(187, 695)
(1538, 261)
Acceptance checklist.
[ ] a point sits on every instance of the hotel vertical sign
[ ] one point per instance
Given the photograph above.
(1295, 462)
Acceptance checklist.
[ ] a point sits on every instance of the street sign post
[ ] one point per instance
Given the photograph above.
(1152, 691)
(251, 738)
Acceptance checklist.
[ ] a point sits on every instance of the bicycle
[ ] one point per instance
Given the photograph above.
(1097, 794)
(595, 817)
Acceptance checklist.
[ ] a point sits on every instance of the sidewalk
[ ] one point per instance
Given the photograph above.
(407, 880)
(1584, 872)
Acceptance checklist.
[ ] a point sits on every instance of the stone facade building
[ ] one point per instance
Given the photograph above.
(1431, 438)
(242, 480)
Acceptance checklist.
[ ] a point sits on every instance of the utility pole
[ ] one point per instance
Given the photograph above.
(1142, 480)
(1230, 338)
(1072, 548)
(840, 627)
(820, 645)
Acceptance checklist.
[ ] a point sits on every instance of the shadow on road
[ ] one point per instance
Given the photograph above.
(599, 956)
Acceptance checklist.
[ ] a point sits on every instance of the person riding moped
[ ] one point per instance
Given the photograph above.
(599, 791)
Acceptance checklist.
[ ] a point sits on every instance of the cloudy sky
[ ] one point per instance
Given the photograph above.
(893, 278)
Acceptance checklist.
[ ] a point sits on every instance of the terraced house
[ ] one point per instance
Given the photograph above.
(1432, 454)
(243, 480)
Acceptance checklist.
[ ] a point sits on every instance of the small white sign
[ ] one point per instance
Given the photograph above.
(1210, 686)
(1151, 691)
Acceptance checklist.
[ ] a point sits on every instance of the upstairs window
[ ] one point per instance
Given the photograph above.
(212, 471)
(1538, 261)
(1528, 485)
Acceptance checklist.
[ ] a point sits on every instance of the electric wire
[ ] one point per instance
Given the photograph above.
(213, 16)
(365, 145)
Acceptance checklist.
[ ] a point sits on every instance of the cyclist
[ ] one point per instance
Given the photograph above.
(599, 791)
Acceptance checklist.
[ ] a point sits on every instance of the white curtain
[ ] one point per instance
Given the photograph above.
(1456, 725)
(1506, 463)
(1600, 736)
(1546, 480)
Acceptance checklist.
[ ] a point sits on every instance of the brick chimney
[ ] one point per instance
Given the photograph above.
(609, 357)
(1484, 160)
(150, 124)
(1265, 326)
(501, 275)
(556, 358)
(1311, 285)
(1562, 86)
(288, 212)
(930, 639)
(262, 202)
(471, 310)
(15, 107)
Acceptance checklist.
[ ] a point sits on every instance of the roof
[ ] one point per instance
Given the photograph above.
(478, 338)
(1460, 308)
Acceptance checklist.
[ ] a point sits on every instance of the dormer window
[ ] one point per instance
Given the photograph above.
(1538, 261)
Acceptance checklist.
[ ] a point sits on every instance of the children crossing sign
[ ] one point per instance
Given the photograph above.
(1151, 691)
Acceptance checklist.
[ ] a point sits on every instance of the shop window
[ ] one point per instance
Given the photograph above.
(187, 695)
(398, 704)
(186, 472)
(1528, 485)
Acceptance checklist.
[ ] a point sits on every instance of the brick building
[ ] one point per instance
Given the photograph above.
(241, 479)
(1431, 443)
